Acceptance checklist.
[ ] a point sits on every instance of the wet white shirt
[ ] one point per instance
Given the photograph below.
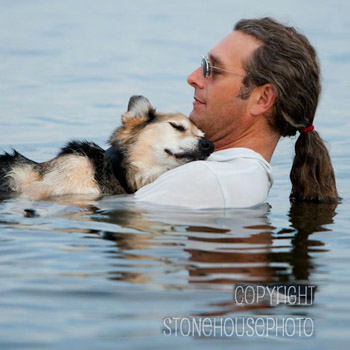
(231, 178)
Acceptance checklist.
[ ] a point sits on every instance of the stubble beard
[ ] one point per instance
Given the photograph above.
(202, 121)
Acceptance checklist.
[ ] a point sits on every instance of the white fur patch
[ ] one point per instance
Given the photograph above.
(21, 176)
(68, 174)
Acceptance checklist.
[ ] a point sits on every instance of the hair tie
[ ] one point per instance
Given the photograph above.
(307, 128)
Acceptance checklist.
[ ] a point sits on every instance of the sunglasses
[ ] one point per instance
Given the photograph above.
(207, 68)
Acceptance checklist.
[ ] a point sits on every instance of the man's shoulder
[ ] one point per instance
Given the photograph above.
(231, 160)
(230, 154)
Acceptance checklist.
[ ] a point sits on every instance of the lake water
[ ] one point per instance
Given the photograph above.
(107, 274)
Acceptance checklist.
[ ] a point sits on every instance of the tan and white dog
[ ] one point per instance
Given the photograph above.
(146, 145)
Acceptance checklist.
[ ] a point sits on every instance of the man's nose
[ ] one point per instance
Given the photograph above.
(196, 79)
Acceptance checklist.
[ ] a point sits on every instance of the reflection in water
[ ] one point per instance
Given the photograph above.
(216, 246)
(219, 248)
(306, 218)
(225, 246)
(172, 248)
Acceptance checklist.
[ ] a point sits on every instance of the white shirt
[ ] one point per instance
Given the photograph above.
(231, 178)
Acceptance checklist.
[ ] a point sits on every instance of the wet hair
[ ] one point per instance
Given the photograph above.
(288, 61)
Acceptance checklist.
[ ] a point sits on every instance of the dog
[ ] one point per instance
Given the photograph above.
(146, 145)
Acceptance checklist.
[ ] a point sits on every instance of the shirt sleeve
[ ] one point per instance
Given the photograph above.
(191, 185)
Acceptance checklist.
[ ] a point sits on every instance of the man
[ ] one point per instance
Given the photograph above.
(259, 83)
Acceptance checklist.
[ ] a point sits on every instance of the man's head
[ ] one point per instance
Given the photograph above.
(277, 83)
(218, 109)
(272, 90)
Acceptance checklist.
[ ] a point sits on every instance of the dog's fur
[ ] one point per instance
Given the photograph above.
(146, 145)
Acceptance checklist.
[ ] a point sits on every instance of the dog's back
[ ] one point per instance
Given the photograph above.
(97, 163)
(79, 168)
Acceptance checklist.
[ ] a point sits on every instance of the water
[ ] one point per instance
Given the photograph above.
(103, 274)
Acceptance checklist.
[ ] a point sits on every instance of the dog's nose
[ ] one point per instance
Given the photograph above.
(206, 147)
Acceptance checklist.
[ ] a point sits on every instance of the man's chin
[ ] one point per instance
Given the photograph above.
(198, 119)
(194, 118)
(196, 114)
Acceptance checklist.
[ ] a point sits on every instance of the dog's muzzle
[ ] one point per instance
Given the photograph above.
(201, 152)
(206, 147)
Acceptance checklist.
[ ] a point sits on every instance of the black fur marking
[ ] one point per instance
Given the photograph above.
(104, 175)
(152, 115)
(81, 148)
(115, 157)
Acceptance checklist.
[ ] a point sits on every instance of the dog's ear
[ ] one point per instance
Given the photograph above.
(139, 110)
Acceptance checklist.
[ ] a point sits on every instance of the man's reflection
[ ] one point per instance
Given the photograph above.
(223, 247)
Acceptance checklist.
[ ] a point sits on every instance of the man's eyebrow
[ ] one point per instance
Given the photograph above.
(215, 60)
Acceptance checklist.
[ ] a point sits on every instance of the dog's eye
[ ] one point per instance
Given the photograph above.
(177, 127)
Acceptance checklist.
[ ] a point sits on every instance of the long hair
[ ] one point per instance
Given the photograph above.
(288, 61)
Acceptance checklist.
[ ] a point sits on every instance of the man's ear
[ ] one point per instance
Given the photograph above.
(139, 110)
(262, 99)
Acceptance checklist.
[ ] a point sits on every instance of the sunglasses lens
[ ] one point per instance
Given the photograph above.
(205, 67)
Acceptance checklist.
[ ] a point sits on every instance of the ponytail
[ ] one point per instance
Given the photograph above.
(287, 60)
(312, 174)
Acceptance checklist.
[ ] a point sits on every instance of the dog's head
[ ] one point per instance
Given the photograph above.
(155, 142)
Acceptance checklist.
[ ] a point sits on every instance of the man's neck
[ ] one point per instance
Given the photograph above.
(264, 145)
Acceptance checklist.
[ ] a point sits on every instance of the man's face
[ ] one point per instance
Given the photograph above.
(217, 110)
